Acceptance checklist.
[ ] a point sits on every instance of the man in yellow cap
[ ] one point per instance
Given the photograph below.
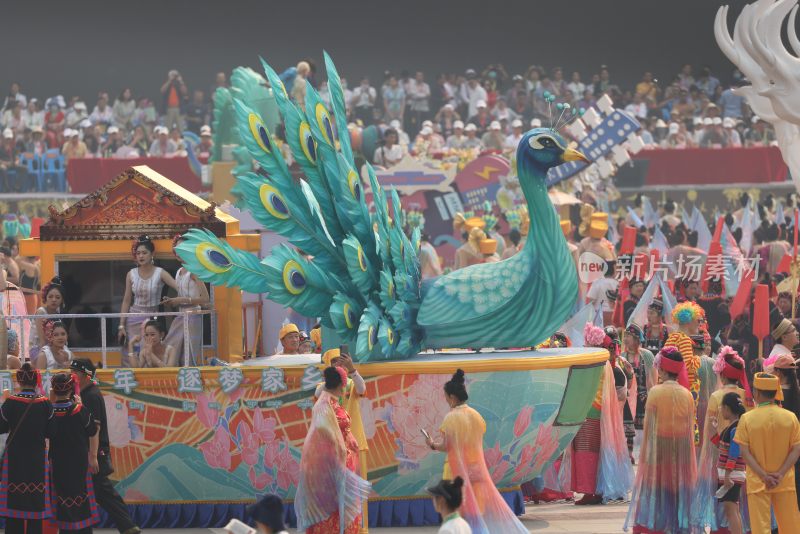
(290, 339)
(769, 437)
(489, 250)
(469, 253)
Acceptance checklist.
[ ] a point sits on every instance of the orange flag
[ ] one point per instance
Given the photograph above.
(760, 317)
(742, 296)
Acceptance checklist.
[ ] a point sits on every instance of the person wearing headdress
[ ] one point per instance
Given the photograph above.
(636, 286)
(730, 368)
(594, 227)
(316, 339)
(644, 372)
(330, 493)
(54, 354)
(289, 335)
(27, 417)
(12, 359)
(769, 438)
(472, 232)
(655, 331)
(100, 449)
(192, 297)
(667, 472)
(267, 513)
(785, 368)
(785, 336)
(687, 316)
(599, 458)
(462, 432)
(73, 493)
(488, 249)
(53, 302)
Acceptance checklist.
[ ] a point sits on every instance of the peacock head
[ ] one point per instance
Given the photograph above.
(543, 148)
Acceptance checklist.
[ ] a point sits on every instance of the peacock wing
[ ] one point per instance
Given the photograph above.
(474, 291)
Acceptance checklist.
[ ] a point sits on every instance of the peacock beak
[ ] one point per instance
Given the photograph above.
(570, 154)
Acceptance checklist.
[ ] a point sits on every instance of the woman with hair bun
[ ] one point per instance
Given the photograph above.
(330, 493)
(462, 439)
(53, 299)
(143, 286)
(447, 498)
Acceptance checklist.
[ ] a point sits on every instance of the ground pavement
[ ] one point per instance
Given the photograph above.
(540, 519)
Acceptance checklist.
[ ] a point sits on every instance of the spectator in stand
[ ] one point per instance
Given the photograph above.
(472, 142)
(533, 80)
(394, 100)
(389, 153)
(685, 78)
(298, 89)
(713, 136)
(113, 142)
(123, 110)
(163, 146)
(707, 83)
(456, 141)
(203, 149)
(76, 115)
(177, 138)
(102, 114)
(402, 136)
(638, 107)
(446, 119)
(512, 140)
(139, 141)
(428, 143)
(603, 84)
(760, 134)
(197, 113)
(13, 118)
(220, 82)
(363, 101)
(493, 139)
(145, 114)
(732, 138)
(684, 106)
(418, 96)
(517, 88)
(675, 138)
(14, 95)
(648, 89)
(502, 112)
(74, 147)
(588, 99)
(91, 137)
(10, 177)
(472, 94)
(732, 104)
(576, 85)
(482, 118)
(33, 114)
(522, 106)
(556, 85)
(173, 94)
(448, 90)
(37, 144)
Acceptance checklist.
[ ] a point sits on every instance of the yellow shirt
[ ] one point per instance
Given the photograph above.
(769, 432)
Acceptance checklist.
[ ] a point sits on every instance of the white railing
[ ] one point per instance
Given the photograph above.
(188, 359)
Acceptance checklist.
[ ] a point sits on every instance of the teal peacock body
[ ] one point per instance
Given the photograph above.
(358, 271)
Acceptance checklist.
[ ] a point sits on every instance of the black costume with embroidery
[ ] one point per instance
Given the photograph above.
(25, 485)
(73, 495)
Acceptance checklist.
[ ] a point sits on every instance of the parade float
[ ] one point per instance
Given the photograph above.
(193, 446)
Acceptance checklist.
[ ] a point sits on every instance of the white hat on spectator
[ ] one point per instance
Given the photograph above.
(470, 128)
(205, 130)
(69, 132)
(708, 121)
(495, 125)
(697, 121)
(674, 128)
(717, 121)
(427, 130)
(79, 106)
(427, 124)
(661, 124)
(395, 124)
(37, 129)
(85, 123)
(728, 122)
(449, 106)
(458, 125)
(112, 129)
(536, 123)
(481, 104)
(8, 133)
(516, 123)
(158, 130)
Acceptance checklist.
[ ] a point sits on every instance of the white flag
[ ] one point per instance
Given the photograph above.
(703, 233)
(639, 315)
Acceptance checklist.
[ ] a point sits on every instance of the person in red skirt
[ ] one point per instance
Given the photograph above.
(75, 508)
(24, 482)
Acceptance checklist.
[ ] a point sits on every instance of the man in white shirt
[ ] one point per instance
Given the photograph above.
(472, 93)
(456, 141)
(363, 101)
(512, 141)
(471, 141)
(163, 146)
(418, 95)
(734, 139)
(390, 153)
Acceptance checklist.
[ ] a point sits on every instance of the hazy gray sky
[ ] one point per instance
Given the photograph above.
(83, 46)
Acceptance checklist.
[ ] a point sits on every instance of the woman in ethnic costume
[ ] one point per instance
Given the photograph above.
(330, 493)
(706, 510)
(75, 508)
(462, 439)
(192, 296)
(662, 495)
(600, 462)
(655, 331)
(143, 286)
(25, 484)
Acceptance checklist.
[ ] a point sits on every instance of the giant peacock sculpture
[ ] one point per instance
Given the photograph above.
(358, 271)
